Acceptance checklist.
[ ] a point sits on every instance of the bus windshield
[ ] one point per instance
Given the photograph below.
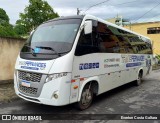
(57, 34)
(57, 31)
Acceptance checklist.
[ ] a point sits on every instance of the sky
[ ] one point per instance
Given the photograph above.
(134, 10)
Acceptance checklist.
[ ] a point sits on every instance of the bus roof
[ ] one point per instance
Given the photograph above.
(66, 17)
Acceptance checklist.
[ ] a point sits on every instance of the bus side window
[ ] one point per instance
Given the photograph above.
(84, 45)
(88, 44)
(107, 40)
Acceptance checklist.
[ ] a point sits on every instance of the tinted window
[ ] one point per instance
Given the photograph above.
(113, 42)
(153, 30)
(57, 31)
(85, 45)
(108, 39)
(88, 44)
(51, 39)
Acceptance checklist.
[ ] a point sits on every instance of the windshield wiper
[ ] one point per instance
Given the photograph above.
(32, 50)
(49, 48)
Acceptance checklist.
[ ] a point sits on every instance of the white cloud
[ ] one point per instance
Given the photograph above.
(65, 11)
(132, 10)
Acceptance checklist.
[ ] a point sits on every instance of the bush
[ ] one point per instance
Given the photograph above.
(7, 31)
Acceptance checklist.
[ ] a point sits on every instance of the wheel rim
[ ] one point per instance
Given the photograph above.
(86, 97)
(139, 79)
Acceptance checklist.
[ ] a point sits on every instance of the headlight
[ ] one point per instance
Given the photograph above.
(15, 73)
(55, 76)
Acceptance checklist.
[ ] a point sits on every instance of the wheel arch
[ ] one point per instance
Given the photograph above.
(95, 84)
(140, 71)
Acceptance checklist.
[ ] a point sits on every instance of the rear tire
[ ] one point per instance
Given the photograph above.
(86, 98)
(139, 79)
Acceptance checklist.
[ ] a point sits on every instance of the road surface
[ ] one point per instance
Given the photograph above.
(128, 99)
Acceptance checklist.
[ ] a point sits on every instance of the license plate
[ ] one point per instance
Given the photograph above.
(25, 83)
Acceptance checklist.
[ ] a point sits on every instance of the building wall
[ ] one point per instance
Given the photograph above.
(9, 49)
(141, 28)
(112, 20)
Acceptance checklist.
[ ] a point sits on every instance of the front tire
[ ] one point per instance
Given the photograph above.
(139, 79)
(86, 98)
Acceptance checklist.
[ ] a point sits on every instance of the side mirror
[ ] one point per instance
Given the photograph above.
(32, 32)
(88, 27)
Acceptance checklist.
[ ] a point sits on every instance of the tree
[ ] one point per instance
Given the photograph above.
(36, 13)
(20, 30)
(4, 19)
(158, 56)
(6, 29)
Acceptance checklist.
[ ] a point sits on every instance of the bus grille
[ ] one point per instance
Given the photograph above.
(28, 90)
(33, 77)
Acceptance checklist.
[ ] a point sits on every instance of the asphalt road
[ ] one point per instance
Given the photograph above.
(128, 99)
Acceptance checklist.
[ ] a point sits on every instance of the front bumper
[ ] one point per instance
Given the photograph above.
(60, 86)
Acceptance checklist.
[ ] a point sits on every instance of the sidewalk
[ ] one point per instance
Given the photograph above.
(156, 67)
(7, 93)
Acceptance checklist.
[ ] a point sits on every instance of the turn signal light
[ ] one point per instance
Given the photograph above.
(75, 87)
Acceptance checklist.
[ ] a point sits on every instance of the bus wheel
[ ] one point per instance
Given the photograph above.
(86, 98)
(139, 80)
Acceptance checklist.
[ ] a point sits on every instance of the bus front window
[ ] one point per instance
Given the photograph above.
(58, 35)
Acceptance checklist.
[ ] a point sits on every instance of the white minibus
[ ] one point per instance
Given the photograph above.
(72, 59)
